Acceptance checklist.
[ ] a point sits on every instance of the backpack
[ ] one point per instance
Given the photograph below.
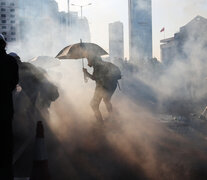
(113, 72)
(111, 76)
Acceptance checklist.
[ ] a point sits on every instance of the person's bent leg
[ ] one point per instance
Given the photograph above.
(107, 101)
(97, 112)
(95, 102)
(107, 98)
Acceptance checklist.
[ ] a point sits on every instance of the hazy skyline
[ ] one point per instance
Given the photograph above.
(171, 14)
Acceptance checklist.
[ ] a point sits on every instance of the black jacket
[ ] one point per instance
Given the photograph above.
(8, 79)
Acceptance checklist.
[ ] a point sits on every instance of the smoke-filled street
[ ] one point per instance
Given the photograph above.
(136, 142)
(134, 145)
(103, 90)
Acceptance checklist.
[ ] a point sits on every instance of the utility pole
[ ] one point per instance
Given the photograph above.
(68, 12)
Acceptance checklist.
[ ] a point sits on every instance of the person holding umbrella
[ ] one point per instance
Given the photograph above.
(106, 76)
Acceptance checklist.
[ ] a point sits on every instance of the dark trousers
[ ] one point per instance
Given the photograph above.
(99, 94)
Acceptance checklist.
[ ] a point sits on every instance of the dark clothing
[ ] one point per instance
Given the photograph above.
(34, 83)
(103, 76)
(105, 87)
(29, 80)
(8, 80)
(36, 95)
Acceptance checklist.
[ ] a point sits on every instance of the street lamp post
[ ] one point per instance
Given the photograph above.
(81, 7)
(68, 12)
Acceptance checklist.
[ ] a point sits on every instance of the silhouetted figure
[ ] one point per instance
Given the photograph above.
(9, 80)
(106, 76)
(36, 86)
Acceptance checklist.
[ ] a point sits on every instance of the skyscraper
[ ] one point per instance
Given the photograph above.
(116, 40)
(8, 20)
(140, 30)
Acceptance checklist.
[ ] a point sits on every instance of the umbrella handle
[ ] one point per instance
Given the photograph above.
(82, 63)
(84, 76)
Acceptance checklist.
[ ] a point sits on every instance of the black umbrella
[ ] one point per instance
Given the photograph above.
(81, 50)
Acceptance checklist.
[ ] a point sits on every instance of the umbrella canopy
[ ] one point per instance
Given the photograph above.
(81, 50)
(45, 61)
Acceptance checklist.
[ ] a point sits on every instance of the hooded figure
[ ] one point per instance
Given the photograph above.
(8, 79)
(106, 76)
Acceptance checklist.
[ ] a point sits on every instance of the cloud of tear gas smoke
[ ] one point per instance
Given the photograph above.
(135, 145)
(186, 77)
(44, 31)
(182, 82)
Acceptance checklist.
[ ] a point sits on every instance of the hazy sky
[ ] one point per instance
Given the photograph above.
(171, 14)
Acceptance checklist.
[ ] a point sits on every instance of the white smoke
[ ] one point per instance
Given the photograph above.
(136, 139)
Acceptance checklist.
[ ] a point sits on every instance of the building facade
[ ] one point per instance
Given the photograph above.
(116, 40)
(43, 30)
(190, 39)
(8, 20)
(77, 29)
(140, 30)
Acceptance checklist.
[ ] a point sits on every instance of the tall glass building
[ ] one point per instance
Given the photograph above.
(140, 30)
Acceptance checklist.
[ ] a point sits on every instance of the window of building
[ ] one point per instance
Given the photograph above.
(12, 10)
(12, 4)
(4, 33)
(3, 9)
(12, 15)
(13, 39)
(3, 21)
(3, 3)
(3, 15)
(3, 27)
(13, 33)
(12, 28)
(12, 22)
